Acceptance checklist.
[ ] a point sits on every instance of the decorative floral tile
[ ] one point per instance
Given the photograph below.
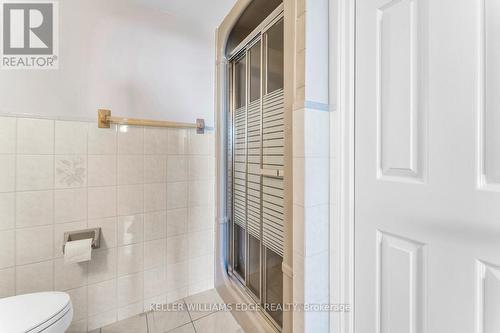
(71, 171)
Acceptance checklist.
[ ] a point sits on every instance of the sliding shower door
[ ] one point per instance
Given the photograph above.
(255, 172)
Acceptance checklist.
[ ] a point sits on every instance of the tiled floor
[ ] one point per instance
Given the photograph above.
(181, 318)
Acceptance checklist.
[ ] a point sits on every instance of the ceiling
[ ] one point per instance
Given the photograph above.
(205, 12)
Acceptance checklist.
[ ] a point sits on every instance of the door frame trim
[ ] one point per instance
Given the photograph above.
(342, 93)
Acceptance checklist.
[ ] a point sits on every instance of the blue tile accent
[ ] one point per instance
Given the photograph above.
(317, 106)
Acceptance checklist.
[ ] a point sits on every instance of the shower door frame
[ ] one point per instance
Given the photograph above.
(242, 51)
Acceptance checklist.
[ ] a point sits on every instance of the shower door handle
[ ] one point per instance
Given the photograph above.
(276, 173)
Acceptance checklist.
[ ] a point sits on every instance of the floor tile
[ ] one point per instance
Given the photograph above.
(218, 322)
(202, 304)
(150, 321)
(135, 324)
(189, 328)
(174, 316)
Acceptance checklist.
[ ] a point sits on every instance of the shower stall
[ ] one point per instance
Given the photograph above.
(255, 164)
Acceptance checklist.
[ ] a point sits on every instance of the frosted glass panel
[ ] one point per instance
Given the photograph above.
(240, 83)
(255, 72)
(275, 61)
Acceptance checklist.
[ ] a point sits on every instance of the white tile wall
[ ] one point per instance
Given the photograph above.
(150, 191)
(130, 229)
(70, 205)
(311, 166)
(34, 208)
(7, 172)
(7, 210)
(8, 282)
(34, 172)
(35, 277)
(35, 136)
(8, 136)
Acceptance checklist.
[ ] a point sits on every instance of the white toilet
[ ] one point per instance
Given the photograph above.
(47, 312)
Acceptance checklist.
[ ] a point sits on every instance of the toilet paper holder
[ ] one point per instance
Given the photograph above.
(94, 233)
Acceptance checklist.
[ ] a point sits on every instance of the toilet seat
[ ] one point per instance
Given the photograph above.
(47, 312)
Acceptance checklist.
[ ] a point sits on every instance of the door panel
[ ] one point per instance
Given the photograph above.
(427, 209)
(488, 298)
(398, 92)
(257, 178)
(254, 265)
(240, 168)
(399, 284)
(274, 285)
(490, 117)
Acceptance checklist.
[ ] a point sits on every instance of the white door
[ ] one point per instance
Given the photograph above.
(427, 193)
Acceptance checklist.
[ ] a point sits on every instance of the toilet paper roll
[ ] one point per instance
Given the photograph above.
(78, 251)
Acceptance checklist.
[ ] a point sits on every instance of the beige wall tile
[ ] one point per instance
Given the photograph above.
(177, 195)
(35, 136)
(130, 169)
(155, 197)
(7, 173)
(177, 249)
(101, 297)
(34, 172)
(71, 137)
(102, 170)
(201, 192)
(102, 202)
(130, 199)
(79, 300)
(155, 225)
(66, 175)
(200, 243)
(200, 218)
(7, 210)
(130, 229)
(78, 326)
(154, 253)
(131, 310)
(201, 268)
(8, 135)
(102, 267)
(177, 168)
(7, 282)
(34, 208)
(198, 145)
(198, 168)
(177, 141)
(130, 259)
(130, 289)
(70, 205)
(155, 168)
(102, 141)
(177, 221)
(102, 319)
(34, 244)
(69, 276)
(7, 255)
(177, 276)
(35, 278)
(155, 282)
(155, 141)
(130, 140)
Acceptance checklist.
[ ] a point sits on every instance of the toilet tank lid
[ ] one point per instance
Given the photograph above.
(24, 313)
